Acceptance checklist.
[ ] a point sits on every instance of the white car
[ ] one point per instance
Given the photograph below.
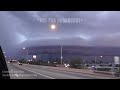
(67, 65)
(19, 63)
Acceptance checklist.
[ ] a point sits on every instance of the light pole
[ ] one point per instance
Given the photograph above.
(27, 52)
(95, 59)
(84, 60)
(53, 28)
(9, 57)
(4, 53)
(61, 56)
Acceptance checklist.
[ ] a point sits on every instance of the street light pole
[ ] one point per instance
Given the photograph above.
(27, 54)
(53, 28)
(61, 56)
(84, 60)
(95, 59)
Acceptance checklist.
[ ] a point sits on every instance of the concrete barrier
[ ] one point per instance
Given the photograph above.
(103, 72)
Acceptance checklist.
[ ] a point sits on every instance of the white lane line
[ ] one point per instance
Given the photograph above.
(84, 74)
(62, 75)
(71, 77)
(91, 76)
(38, 73)
(16, 75)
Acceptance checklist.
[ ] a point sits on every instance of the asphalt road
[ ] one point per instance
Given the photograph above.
(42, 72)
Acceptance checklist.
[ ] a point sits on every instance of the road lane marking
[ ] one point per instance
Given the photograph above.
(85, 74)
(58, 74)
(37, 73)
(66, 75)
(77, 77)
(71, 77)
(82, 74)
(16, 75)
(40, 74)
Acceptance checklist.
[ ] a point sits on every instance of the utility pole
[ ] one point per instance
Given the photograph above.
(61, 56)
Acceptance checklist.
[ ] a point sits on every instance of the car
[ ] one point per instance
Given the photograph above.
(19, 63)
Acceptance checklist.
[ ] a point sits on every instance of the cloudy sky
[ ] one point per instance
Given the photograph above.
(97, 28)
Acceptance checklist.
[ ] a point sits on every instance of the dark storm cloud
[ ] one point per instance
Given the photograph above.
(98, 28)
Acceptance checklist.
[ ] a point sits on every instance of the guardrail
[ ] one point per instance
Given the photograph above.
(115, 71)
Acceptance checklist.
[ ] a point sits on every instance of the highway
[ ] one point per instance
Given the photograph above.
(27, 71)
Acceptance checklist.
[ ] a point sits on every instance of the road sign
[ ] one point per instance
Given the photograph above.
(116, 60)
